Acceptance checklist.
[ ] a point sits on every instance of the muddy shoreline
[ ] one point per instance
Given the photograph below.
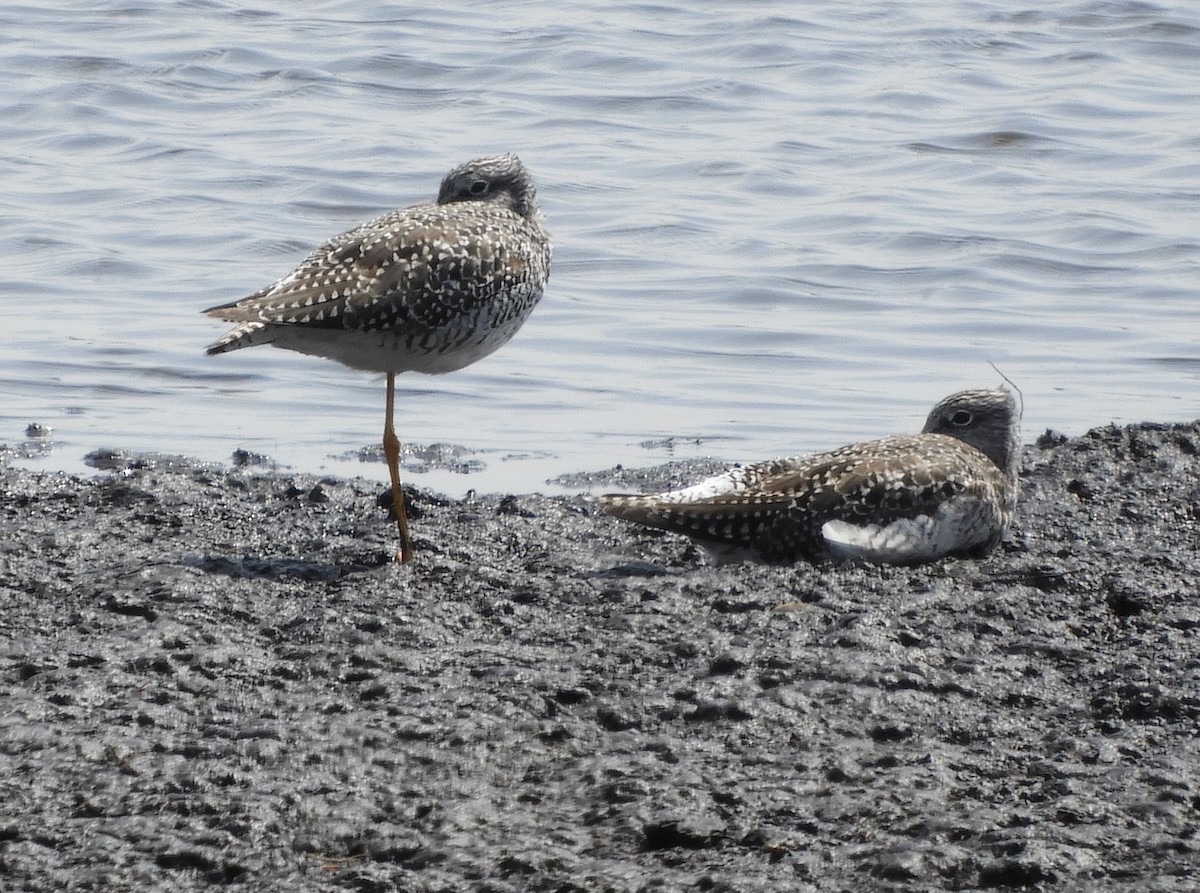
(220, 677)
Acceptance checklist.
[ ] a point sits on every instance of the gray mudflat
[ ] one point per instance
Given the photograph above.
(220, 678)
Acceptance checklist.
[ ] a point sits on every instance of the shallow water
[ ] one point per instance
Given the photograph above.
(777, 229)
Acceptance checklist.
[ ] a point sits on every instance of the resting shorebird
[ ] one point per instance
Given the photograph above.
(952, 489)
(429, 288)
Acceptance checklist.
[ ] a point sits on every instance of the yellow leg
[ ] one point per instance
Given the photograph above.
(391, 451)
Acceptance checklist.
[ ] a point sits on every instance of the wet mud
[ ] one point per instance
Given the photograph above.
(220, 678)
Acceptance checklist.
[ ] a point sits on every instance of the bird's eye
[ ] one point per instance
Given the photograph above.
(478, 187)
(961, 417)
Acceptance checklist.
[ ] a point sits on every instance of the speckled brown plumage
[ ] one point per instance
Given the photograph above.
(430, 288)
(950, 489)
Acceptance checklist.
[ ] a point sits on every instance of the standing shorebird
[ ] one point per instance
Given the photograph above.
(952, 489)
(430, 288)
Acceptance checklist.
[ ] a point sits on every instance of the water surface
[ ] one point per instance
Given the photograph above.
(778, 228)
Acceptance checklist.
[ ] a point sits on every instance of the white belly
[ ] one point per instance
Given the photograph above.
(444, 350)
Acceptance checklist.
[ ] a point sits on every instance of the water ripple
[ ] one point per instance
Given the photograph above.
(776, 228)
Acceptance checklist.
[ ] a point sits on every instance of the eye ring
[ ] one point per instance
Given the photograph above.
(962, 418)
(478, 187)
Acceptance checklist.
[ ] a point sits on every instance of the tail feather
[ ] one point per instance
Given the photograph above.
(629, 507)
(245, 334)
